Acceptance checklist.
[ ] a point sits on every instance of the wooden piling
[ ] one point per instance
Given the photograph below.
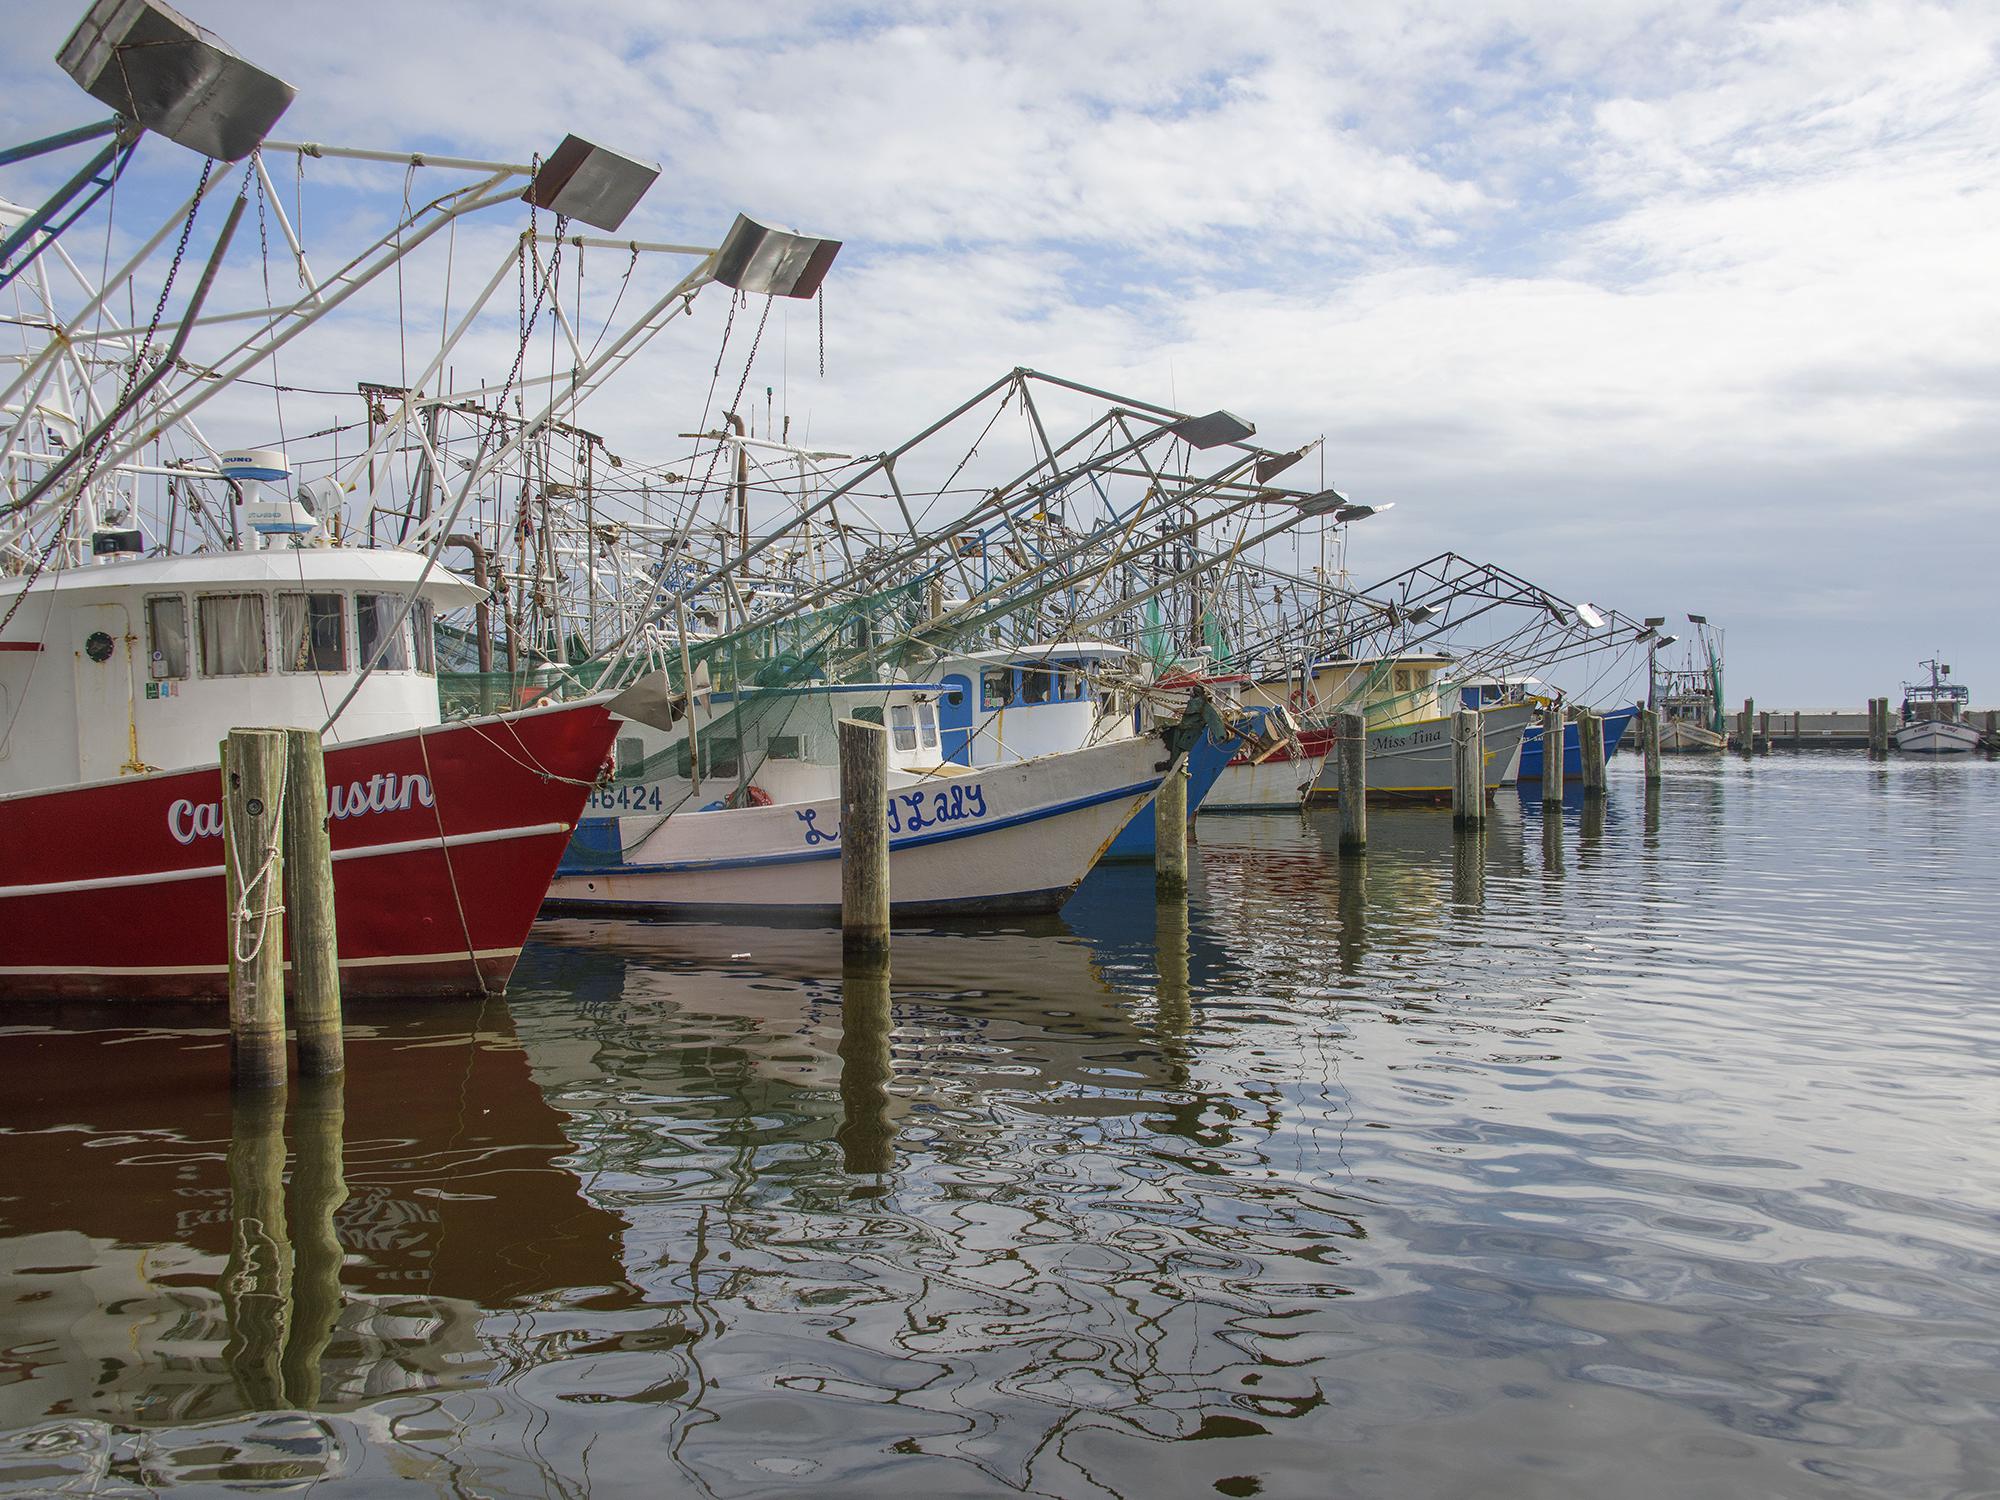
(253, 790)
(1746, 725)
(1351, 747)
(1590, 746)
(1170, 842)
(864, 836)
(1798, 737)
(1468, 768)
(1992, 733)
(309, 908)
(1552, 756)
(1878, 728)
(1649, 743)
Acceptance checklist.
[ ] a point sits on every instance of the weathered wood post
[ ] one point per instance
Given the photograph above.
(1746, 726)
(318, 1188)
(1552, 756)
(1351, 745)
(866, 1137)
(253, 789)
(1590, 746)
(864, 837)
(1649, 743)
(1878, 728)
(309, 908)
(1170, 842)
(1798, 734)
(1992, 732)
(1764, 731)
(1468, 769)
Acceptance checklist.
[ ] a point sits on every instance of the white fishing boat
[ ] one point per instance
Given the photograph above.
(1933, 716)
(1412, 762)
(1014, 837)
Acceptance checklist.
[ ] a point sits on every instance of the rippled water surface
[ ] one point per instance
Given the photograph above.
(1618, 1156)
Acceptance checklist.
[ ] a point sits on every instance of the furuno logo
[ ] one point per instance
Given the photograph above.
(388, 792)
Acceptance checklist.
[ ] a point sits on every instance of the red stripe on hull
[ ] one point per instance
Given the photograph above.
(406, 920)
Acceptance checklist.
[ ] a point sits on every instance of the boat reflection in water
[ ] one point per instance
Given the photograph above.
(764, 1215)
(173, 1258)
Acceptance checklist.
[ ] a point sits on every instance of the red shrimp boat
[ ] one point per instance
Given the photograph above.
(445, 836)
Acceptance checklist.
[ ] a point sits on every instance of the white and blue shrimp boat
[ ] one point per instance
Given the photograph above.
(688, 827)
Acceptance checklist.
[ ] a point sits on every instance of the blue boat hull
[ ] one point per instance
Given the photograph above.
(1616, 723)
(1205, 763)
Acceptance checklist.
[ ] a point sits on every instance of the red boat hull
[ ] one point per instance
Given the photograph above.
(444, 843)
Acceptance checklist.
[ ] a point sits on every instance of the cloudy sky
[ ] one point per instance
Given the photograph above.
(1675, 306)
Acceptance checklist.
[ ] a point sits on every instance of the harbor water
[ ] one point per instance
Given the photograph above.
(1631, 1153)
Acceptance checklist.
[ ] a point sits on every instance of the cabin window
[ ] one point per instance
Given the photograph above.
(423, 628)
(312, 633)
(788, 747)
(1071, 686)
(721, 758)
(996, 687)
(233, 643)
(1402, 679)
(375, 619)
(903, 727)
(1035, 684)
(927, 725)
(631, 758)
(167, 636)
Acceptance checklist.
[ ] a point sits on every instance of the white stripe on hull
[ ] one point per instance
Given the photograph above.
(214, 872)
(378, 961)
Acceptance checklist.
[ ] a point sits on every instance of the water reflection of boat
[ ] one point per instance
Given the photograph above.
(165, 1273)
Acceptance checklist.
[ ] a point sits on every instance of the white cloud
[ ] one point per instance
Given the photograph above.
(1678, 296)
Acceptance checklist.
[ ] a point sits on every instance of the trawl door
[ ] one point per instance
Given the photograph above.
(100, 637)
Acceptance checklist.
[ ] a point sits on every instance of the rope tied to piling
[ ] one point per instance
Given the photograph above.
(264, 878)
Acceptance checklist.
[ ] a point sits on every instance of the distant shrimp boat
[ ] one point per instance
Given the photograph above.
(1933, 720)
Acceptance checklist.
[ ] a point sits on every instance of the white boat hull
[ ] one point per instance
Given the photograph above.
(1017, 837)
(1935, 737)
(1684, 737)
(1413, 762)
(1279, 784)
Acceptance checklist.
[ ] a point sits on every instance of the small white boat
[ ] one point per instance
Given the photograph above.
(1933, 722)
(1014, 837)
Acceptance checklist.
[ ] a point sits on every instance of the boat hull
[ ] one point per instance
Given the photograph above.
(1683, 737)
(1016, 837)
(1413, 762)
(1616, 722)
(1935, 737)
(1205, 763)
(444, 840)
